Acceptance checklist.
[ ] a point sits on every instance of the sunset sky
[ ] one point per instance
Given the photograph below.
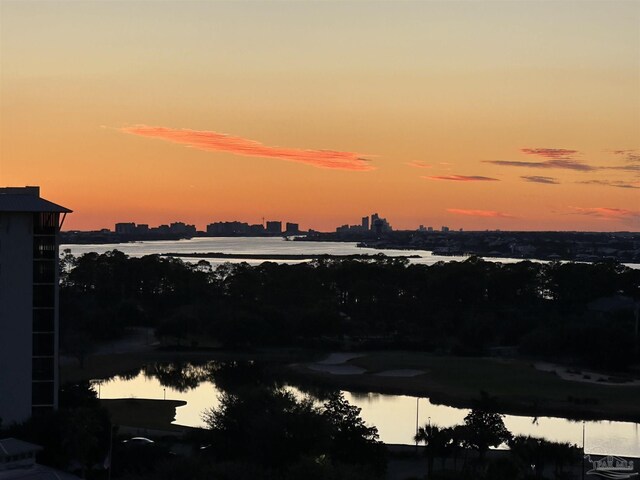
(517, 115)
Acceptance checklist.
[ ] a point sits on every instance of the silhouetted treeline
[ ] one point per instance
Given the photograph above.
(569, 311)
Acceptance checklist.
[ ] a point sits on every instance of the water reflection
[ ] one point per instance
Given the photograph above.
(394, 415)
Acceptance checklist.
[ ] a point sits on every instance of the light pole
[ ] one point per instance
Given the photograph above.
(583, 426)
(417, 408)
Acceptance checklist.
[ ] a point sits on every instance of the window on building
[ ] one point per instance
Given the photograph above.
(43, 368)
(43, 344)
(45, 223)
(43, 296)
(42, 393)
(44, 272)
(43, 320)
(44, 248)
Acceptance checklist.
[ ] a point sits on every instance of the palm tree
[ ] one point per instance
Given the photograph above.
(435, 440)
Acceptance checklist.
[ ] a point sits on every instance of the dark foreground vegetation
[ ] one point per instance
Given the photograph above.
(571, 312)
(260, 430)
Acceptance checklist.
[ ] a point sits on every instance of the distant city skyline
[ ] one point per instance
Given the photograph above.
(372, 222)
(480, 115)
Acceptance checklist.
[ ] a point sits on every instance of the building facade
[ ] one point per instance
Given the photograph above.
(29, 227)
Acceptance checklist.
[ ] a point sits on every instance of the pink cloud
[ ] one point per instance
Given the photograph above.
(556, 153)
(606, 213)
(419, 165)
(462, 178)
(219, 142)
(479, 213)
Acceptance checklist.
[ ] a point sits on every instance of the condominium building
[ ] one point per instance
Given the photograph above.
(29, 226)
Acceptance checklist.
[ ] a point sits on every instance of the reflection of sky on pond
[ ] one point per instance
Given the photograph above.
(198, 400)
(395, 416)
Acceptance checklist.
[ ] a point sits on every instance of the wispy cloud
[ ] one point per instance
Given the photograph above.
(419, 165)
(220, 142)
(612, 183)
(538, 179)
(560, 163)
(479, 213)
(625, 168)
(462, 178)
(554, 153)
(606, 213)
(629, 155)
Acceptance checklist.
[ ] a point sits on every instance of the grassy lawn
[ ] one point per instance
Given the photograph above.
(512, 381)
(108, 365)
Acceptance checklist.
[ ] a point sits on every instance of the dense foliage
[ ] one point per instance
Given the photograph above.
(272, 429)
(465, 308)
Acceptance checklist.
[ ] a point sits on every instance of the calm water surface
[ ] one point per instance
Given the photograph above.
(258, 246)
(395, 416)
(264, 246)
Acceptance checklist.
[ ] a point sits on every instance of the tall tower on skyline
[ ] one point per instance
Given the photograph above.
(29, 227)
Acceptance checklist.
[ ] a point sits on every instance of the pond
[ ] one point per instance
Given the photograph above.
(394, 415)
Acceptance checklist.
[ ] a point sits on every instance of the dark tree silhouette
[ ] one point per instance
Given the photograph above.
(484, 430)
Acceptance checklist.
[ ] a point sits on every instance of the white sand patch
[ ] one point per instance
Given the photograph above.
(401, 373)
(339, 358)
(337, 369)
(583, 376)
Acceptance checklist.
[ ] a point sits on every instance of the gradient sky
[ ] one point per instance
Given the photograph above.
(518, 115)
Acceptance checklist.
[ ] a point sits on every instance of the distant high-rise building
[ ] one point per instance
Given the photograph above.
(365, 223)
(292, 228)
(379, 224)
(228, 228)
(180, 228)
(29, 226)
(274, 227)
(444, 229)
(257, 229)
(126, 228)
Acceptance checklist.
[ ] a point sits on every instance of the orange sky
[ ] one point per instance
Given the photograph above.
(475, 115)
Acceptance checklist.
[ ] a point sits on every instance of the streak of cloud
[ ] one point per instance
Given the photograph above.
(630, 155)
(219, 142)
(560, 163)
(625, 168)
(462, 178)
(554, 153)
(419, 165)
(479, 213)
(538, 179)
(606, 213)
(612, 183)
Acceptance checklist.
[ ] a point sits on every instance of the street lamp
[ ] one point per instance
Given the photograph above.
(417, 409)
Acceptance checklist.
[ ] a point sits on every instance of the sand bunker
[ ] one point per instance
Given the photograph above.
(337, 369)
(336, 364)
(400, 373)
(339, 358)
(584, 376)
